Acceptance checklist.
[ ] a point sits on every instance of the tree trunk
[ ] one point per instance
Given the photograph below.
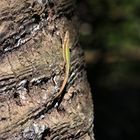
(32, 71)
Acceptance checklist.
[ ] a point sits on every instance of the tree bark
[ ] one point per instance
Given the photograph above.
(32, 72)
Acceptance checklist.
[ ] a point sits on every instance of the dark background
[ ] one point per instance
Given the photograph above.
(110, 37)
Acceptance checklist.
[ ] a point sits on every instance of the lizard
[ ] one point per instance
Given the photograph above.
(66, 57)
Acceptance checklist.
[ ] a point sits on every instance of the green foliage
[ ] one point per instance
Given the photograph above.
(115, 28)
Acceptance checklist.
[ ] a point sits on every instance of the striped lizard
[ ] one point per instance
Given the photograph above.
(66, 57)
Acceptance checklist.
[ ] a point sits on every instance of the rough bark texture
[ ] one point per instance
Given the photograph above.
(32, 71)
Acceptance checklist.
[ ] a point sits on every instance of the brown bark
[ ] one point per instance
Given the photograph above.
(32, 71)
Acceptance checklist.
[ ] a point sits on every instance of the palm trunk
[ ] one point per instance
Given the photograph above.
(32, 71)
